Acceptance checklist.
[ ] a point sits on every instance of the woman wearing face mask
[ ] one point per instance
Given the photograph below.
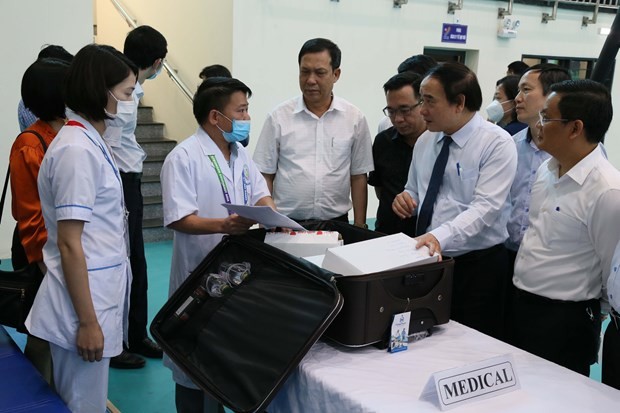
(81, 306)
(502, 110)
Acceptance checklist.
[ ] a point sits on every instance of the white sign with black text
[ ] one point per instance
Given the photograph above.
(472, 382)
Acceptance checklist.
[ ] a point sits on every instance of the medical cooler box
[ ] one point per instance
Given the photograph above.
(240, 347)
(371, 300)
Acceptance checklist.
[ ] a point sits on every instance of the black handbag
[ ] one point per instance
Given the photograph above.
(19, 287)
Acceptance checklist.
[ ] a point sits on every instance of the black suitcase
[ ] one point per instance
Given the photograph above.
(241, 347)
(372, 299)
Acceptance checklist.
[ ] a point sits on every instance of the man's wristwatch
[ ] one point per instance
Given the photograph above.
(364, 225)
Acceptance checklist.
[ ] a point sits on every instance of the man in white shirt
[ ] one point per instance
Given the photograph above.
(315, 150)
(565, 257)
(146, 48)
(534, 87)
(203, 172)
(463, 208)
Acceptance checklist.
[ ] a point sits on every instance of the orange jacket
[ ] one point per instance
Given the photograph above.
(25, 162)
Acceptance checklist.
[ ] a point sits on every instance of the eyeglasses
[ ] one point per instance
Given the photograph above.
(403, 111)
(543, 121)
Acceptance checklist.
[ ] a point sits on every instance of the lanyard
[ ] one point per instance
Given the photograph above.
(245, 178)
(220, 177)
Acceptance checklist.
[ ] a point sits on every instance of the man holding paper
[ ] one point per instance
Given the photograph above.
(458, 184)
(208, 169)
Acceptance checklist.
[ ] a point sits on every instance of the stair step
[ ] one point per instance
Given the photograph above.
(149, 130)
(151, 187)
(145, 114)
(151, 199)
(153, 230)
(157, 147)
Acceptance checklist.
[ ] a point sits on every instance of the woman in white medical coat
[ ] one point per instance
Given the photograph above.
(81, 306)
(203, 172)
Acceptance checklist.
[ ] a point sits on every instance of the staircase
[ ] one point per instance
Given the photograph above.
(150, 135)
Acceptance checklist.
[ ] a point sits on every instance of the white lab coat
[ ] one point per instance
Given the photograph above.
(190, 185)
(79, 180)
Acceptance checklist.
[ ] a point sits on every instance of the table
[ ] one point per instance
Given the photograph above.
(22, 388)
(333, 378)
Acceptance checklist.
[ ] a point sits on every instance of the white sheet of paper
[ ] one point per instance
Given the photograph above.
(264, 215)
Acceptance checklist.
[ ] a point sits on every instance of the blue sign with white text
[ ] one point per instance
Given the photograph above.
(454, 33)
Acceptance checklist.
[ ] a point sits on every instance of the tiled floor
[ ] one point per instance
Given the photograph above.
(151, 389)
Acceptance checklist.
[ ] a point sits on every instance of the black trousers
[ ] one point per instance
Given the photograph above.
(138, 310)
(478, 290)
(194, 401)
(564, 332)
(611, 353)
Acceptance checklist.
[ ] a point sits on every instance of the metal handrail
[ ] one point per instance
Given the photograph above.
(171, 72)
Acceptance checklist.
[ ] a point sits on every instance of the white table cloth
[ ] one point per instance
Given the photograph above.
(333, 378)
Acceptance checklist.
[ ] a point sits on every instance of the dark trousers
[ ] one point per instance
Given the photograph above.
(138, 310)
(611, 353)
(195, 401)
(564, 332)
(478, 290)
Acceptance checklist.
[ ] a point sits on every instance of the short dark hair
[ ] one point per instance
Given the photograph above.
(548, 74)
(319, 45)
(42, 88)
(94, 71)
(510, 84)
(400, 80)
(214, 93)
(55, 52)
(419, 63)
(214, 71)
(588, 101)
(457, 79)
(518, 67)
(144, 45)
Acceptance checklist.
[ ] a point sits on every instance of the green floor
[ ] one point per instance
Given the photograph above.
(151, 389)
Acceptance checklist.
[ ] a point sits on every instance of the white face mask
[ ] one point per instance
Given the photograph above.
(495, 110)
(126, 112)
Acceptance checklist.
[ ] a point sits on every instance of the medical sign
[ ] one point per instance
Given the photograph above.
(454, 33)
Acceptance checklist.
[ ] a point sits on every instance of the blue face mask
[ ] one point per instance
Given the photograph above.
(154, 75)
(240, 130)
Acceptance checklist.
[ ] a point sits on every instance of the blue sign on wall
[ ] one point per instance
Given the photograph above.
(454, 33)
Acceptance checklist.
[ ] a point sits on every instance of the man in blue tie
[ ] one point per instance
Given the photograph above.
(459, 182)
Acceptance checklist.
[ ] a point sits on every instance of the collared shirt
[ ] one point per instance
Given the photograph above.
(530, 159)
(472, 206)
(190, 185)
(314, 158)
(514, 127)
(79, 180)
(574, 228)
(392, 158)
(26, 157)
(24, 116)
(128, 153)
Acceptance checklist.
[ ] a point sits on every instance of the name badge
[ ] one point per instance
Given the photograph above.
(466, 384)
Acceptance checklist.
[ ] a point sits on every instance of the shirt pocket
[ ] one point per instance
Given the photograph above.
(339, 150)
(565, 230)
(106, 278)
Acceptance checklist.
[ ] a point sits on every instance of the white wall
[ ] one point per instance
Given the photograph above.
(375, 37)
(25, 26)
(198, 32)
